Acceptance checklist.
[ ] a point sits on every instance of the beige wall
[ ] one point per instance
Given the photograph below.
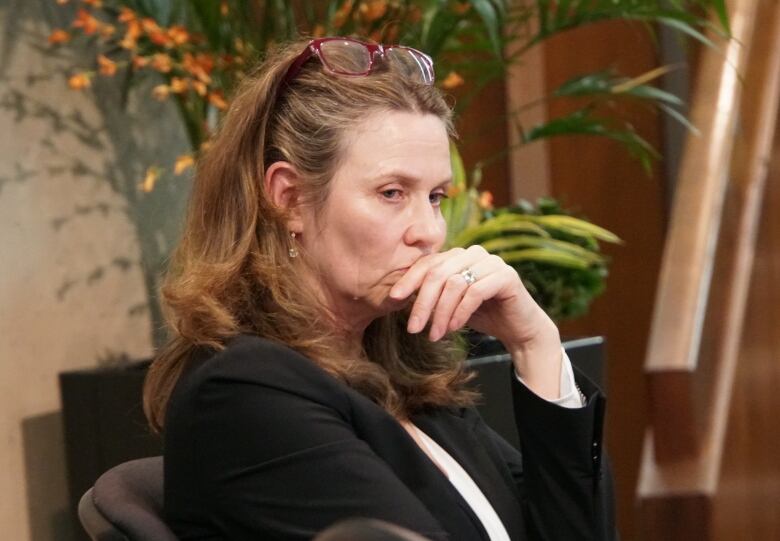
(72, 224)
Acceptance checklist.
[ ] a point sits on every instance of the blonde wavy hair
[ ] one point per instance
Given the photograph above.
(231, 272)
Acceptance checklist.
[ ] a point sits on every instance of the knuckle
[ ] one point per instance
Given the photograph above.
(437, 274)
(497, 259)
(455, 280)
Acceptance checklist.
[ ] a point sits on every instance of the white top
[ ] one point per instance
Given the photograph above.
(568, 393)
(569, 397)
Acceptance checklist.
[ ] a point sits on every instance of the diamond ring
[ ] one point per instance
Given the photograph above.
(469, 276)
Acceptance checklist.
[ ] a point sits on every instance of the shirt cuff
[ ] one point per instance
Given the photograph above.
(569, 395)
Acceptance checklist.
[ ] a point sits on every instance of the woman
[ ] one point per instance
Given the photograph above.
(310, 378)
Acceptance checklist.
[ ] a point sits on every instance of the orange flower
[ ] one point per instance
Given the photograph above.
(341, 15)
(139, 61)
(59, 36)
(461, 7)
(94, 3)
(318, 31)
(84, 20)
(223, 8)
(414, 15)
(199, 66)
(178, 35)
(62, 2)
(150, 179)
(131, 35)
(160, 38)
(106, 66)
(391, 33)
(486, 200)
(161, 92)
(200, 88)
(80, 81)
(150, 25)
(183, 162)
(126, 15)
(373, 10)
(217, 100)
(453, 191)
(161, 62)
(179, 85)
(107, 30)
(453, 80)
(157, 35)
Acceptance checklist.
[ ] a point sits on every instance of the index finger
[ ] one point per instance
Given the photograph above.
(413, 279)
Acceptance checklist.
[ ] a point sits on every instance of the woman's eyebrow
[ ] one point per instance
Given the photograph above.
(407, 179)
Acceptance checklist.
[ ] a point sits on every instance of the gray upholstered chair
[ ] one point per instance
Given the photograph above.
(363, 529)
(126, 504)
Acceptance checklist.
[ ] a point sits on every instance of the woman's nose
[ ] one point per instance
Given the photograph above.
(426, 228)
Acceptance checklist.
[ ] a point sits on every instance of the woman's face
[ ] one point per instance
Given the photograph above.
(381, 215)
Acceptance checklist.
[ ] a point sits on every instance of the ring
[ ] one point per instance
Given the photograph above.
(469, 276)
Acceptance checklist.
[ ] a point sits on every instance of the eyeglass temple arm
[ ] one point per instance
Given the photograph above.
(295, 67)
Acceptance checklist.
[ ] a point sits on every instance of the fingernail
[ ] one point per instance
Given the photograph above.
(397, 293)
(435, 334)
(414, 325)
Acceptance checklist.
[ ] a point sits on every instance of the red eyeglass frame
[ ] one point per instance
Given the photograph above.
(314, 48)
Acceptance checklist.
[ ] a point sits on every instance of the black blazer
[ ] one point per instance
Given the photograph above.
(261, 443)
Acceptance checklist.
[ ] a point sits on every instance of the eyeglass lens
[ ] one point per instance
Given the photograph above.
(353, 58)
(411, 62)
(345, 57)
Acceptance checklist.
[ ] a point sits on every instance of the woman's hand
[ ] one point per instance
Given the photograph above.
(495, 303)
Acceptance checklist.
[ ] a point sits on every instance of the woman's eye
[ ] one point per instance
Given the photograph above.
(391, 194)
(437, 197)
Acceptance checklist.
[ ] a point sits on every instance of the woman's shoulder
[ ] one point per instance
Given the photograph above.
(249, 359)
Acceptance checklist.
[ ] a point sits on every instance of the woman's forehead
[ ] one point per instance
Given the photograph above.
(400, 142)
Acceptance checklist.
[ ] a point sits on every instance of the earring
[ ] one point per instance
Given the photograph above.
(292, 251)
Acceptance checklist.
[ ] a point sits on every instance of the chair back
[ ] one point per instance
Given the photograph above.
(363, 529)
(126, 504)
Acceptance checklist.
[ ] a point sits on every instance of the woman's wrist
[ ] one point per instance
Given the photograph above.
(538, 361)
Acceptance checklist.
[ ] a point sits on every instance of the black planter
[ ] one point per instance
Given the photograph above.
(104, 424)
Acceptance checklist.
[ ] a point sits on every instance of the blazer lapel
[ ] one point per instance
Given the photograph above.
(461, 438)
(395, 446)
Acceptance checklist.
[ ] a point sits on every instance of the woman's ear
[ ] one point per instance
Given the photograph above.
(281, 183)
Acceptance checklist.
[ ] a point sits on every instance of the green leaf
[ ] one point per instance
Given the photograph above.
(458, 170)
(720, 9)
(679, 117)
(575, 226)
(498, 226)
(502, 244)
(439, 23)
(559, 259)
(585, 85)
(647, 92)
(582, 122)
(686, 28)
(492, 24)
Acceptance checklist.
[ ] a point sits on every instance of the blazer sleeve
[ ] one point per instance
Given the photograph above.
(562, 473)
(278, 461)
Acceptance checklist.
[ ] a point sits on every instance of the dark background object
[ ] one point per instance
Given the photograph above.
(104, 425)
